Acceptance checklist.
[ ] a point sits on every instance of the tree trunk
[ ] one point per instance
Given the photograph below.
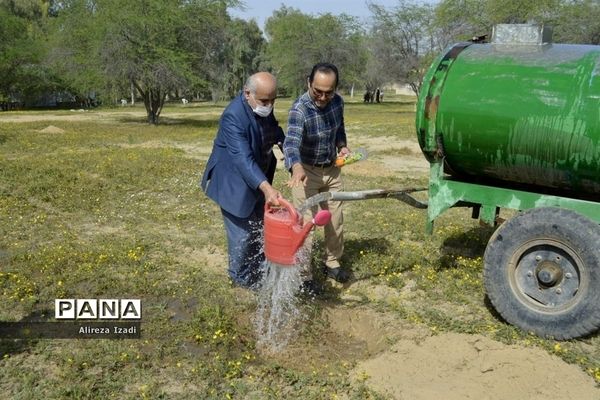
(415, 88)
(154, 99)
(154, 107)
(132, 95)
(152, 117)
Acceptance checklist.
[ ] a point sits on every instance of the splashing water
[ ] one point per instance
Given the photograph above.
(278, 313)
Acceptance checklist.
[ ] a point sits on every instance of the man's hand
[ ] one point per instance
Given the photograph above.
(272, 195)
(344, 151)
(298, 176)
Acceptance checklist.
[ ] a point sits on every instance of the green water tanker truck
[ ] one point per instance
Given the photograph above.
(515, 124)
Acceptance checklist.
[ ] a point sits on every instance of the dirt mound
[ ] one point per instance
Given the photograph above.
(51, 129)
(456, 367)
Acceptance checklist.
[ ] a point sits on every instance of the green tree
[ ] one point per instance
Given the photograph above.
(522, 11)
(156, 46)
(73, 46)
(356, 53)
(297, 41)
(245, 47)
(579, 22)
(22, 50)
(204, 38)
(459, 20)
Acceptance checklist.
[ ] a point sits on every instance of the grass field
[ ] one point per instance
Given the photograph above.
(107, 206)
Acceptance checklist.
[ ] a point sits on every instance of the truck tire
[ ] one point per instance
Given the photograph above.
(542, 272)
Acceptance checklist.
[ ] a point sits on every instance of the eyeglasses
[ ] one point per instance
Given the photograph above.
(319, 93)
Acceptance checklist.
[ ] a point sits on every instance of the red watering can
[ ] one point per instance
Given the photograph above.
(285, 232)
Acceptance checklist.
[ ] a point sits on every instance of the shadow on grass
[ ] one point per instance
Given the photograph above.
(492, 310)
(358, 270)
(352, 252)
(353, 247)
(14, 346)
(467, 244)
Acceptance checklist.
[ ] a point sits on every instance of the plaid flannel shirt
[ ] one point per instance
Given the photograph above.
(314, 135)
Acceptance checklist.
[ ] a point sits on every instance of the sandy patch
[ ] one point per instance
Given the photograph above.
(386, 143)
(46, 117)
(409, 164)
(209, 258)
(455, 366)
(388, 156)
(103, 116)
(350, 334)
(374, 330)
(51, 129)
(385, 165)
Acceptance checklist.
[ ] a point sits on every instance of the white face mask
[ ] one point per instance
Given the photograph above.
(263, 111)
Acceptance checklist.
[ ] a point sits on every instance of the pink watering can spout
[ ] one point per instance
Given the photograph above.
(321, 218)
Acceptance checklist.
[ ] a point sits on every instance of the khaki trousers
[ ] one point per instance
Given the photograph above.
(324, 179)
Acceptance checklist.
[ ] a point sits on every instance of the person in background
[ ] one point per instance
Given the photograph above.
(240, 171)
(315, 137)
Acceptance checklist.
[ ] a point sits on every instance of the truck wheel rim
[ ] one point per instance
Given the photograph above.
(547, 275)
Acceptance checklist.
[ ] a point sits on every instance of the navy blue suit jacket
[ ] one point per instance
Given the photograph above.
(232, 174)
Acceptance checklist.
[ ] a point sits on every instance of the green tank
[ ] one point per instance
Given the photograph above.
(515, 125)
(516, 115)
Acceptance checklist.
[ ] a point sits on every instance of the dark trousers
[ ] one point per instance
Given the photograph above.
(245, 246)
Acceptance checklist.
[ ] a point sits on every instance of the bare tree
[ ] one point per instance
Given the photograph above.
(403, 41)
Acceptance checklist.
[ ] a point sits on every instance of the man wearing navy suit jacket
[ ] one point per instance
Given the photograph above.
(240, 171)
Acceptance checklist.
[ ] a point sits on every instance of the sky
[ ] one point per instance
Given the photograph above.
(260, 10)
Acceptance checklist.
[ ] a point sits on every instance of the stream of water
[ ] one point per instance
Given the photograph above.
(279, 310)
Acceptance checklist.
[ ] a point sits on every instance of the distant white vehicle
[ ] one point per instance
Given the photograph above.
(184, 101)
(123, 102)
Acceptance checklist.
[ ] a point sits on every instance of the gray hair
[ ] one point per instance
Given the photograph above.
(252, 82)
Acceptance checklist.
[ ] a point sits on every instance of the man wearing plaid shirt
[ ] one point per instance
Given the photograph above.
(315, 136)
